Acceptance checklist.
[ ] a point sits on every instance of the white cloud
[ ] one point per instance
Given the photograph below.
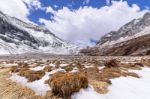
(33, 3)
(15, 8)
(50, 10)
(87, 22)
(108, 2)
(19, 8)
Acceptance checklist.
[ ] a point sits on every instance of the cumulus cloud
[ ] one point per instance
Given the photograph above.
(16, 8)
(33, 4)
(88, 23)
(108, 2)
(19, 8)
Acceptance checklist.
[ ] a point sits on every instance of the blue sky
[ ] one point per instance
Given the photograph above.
(75, 4)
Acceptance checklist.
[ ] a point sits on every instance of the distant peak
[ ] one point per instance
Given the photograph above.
(147, 15)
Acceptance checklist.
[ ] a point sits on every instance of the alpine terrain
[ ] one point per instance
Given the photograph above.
(17, 37)
(131, 39)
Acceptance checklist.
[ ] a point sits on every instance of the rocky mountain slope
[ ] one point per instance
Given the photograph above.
(17, 37)
(131, 39)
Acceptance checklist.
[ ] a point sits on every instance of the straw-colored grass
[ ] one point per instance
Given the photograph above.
(65, 84)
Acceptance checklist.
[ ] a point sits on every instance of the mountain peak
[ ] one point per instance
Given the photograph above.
(146, 15)
(17, 37)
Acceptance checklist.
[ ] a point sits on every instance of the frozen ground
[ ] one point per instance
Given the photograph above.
(38, 86)
(122, 88)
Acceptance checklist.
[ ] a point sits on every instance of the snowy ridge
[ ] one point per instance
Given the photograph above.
(22, 37)
(146, 31)
(135, 28)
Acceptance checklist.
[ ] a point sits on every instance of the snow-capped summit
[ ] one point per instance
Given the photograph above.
(17, 37)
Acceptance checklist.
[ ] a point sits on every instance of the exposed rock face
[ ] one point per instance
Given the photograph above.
(18, 37)
(131, 39)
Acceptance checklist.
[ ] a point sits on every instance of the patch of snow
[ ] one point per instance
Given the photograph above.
(75, 70)
(38, 86)
(37, 68)
(122, 88)
(87, 66)
(57, 70)
(64, 65)
(101, 67)
(52, 65)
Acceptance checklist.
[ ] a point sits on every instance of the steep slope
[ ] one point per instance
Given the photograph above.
(18, 37)
(131, 39)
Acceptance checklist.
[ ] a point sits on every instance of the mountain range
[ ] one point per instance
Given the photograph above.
(131, 39)
(18, 37)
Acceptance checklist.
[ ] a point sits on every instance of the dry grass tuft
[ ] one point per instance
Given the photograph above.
(31, 75)
(133, 74)
(110, 73)
(100, 86)
(68, 68)
(47, 69)
(135, 66)
(23, 65)
(111, 63)
(14, 69)
(24, 72)
(65, 84)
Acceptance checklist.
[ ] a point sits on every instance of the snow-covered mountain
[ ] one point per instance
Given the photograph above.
(131, 39)
(17, 37)
(135, 28)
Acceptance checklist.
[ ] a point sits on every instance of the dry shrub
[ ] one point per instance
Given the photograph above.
(110, 73)
(35, 75)
(100, 86)
(139, 64)
(111, 63)
(146, 62)
(79, 65)
(94, 74)
(68, 68)
(23, 65)
(134, 66)
(65, 84)
(57, 63)
(14, 69)
(133, 74)
(50, 95)
(47, 69)
(31, 75)
(24, 72)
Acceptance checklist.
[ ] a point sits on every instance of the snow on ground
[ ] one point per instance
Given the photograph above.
(37, 68)
(52, 65)
(63, 65)
(75, 70)
(88, 66)
(38, 86)
(122, 88)
(57, 70)
(100, 68)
